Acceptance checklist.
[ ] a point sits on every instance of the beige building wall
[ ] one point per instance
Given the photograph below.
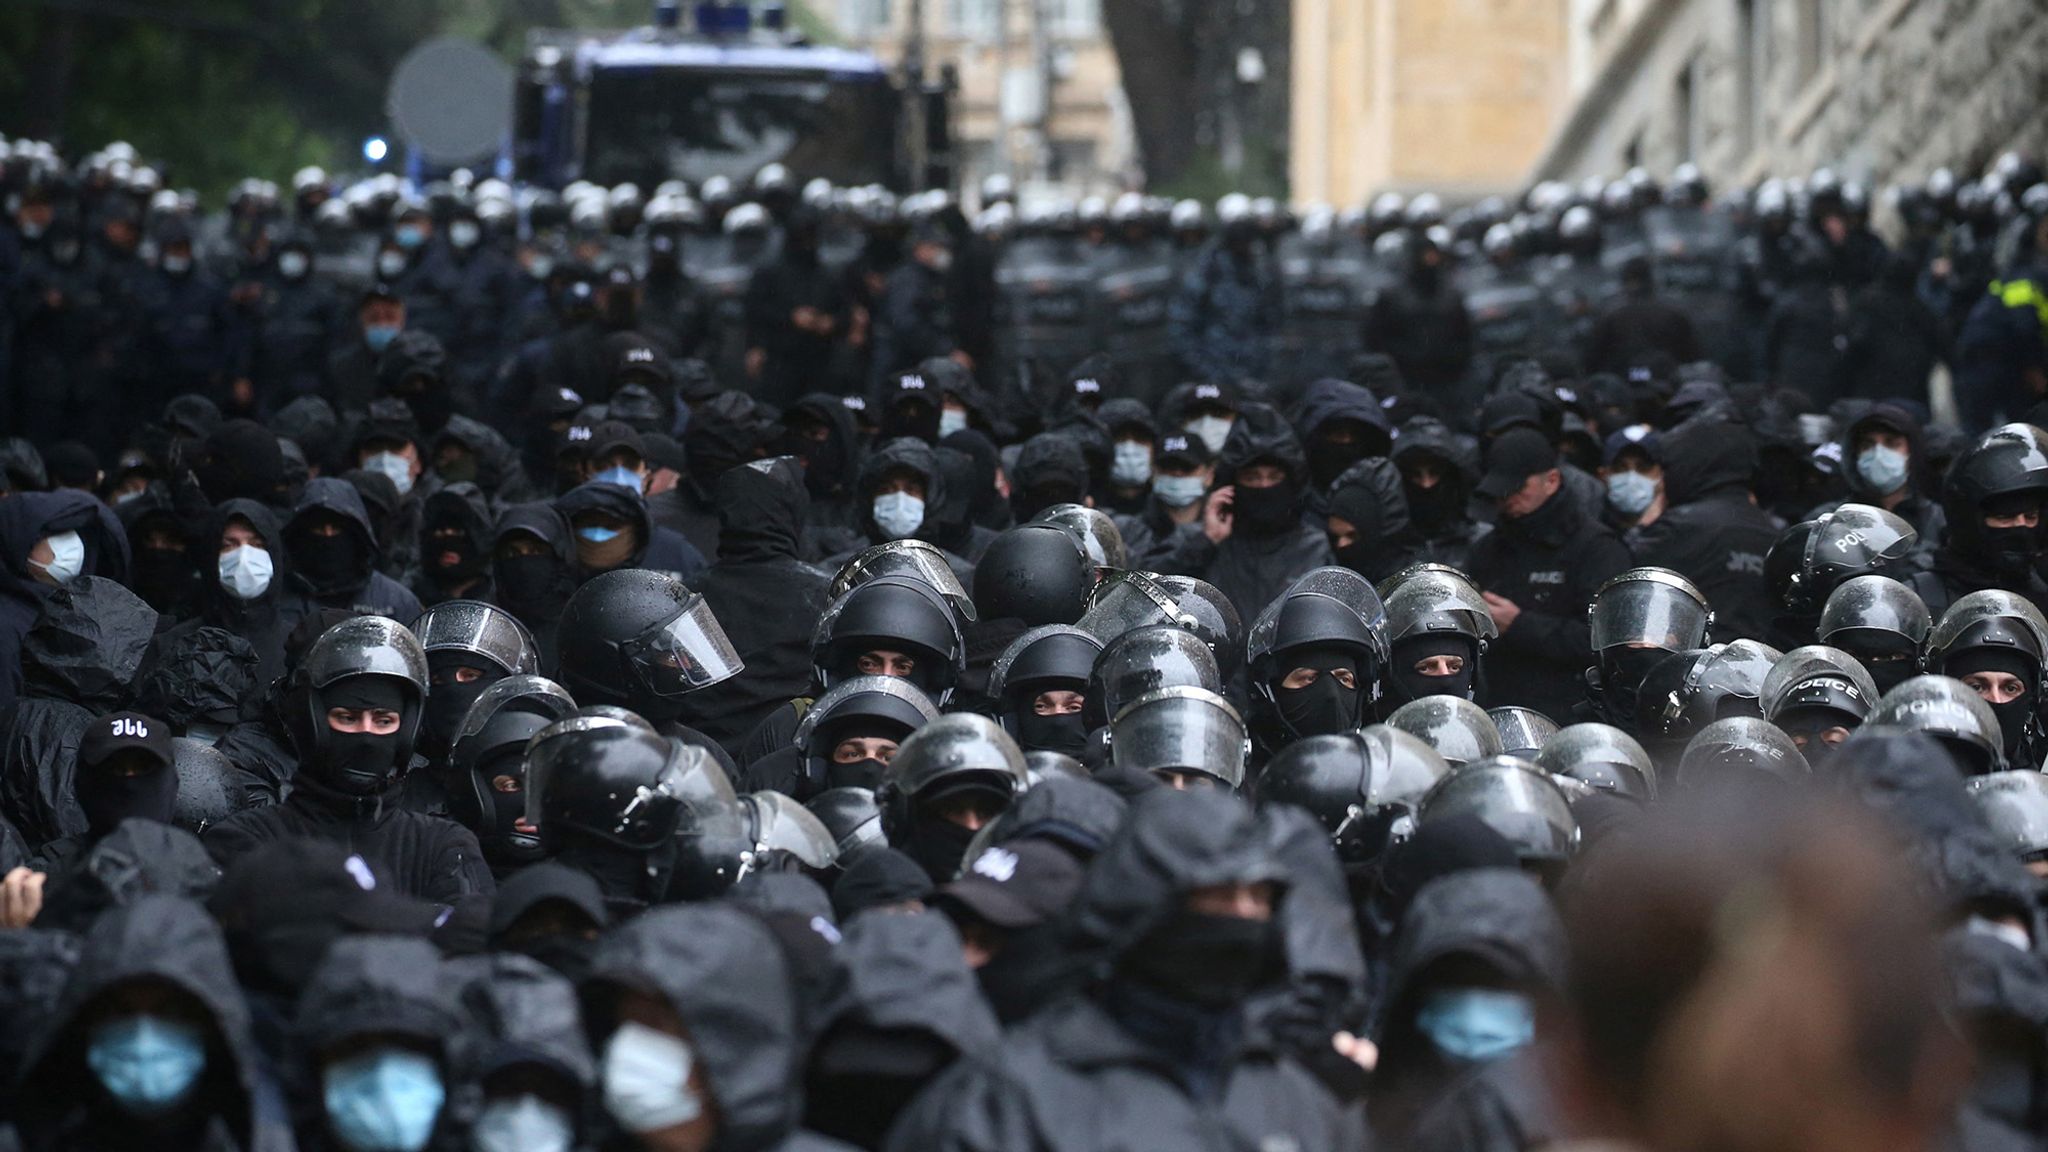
(1089, 124)
(1452, 96)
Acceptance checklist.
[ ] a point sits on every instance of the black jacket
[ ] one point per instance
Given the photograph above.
(365, 986)
(428, 857)
(1549, 563)
(25, 518)
(365, 589)
(159, 938)
(79, 661)
(726, 976)
(1444, 533)
(661, 549)
(1711, 533)
(537, 608)
(767, 600)
(263, 621)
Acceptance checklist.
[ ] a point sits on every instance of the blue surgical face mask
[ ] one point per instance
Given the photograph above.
(1132, 464)
(383, 1100)
(522, 1124)
(1178, 491)
(245, 571)
(598, 533)
(1884, 469)
(380, 336)
(898, 514)
(148, 1064)
(1630, 492)
(1476, 1024)
(1213, 431)
(620, 475)
(391, 464)
(646, 1076)
(952, 420)
(409, 236)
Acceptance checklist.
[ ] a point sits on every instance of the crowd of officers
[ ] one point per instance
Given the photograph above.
(493, 669)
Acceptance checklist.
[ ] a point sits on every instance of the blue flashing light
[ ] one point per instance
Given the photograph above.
(718, 19)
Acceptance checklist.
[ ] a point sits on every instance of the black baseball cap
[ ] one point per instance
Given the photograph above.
(634, 357)
(1182, 450)
(111, 735)
(612, 435)
(1516, 455)
(1015, 885)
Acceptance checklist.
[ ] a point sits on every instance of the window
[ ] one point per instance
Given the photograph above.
(864, 17)
(974, 19)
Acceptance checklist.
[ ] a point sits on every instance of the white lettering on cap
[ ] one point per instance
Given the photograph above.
(128, 726)
(998, 864)
(911, 383)
(579, 432)
(1208, 392)
(1087, 385)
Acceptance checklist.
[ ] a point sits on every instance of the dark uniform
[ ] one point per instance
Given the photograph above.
(1549, 563)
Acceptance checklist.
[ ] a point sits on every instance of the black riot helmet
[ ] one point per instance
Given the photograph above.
(1053, 657)
(491, 743)
(469, 646)
(1364, 786)
(1638, 617)
(1995, 631)
(1514, 799)
(2015, 805)
(1879, 621)
(914, 558)
(1817, 695)
(642, 640)
(1602, 756)
(1853, 540)
(1143, 661)
(1034, 573)
(1458, 729)
(362, 662)
(1739, 750)
(1686, 691)
(602, 780)
(784, 836)
(897, 613)
(1183, 734)
(1951, 712)
(887, 707)
(209, 785)
(1434, 611)
(1523, 731)
(2003, 474)
(1328, 619)
(1093, 531)
(852, 818)
(960, 757)
(1139, 599)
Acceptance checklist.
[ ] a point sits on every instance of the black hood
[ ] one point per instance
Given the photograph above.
(27, 517)
(1498, 915)
(376, 984)
(1050, 469)
(263, 519)
(139, 859)
(464, 505)
(833, 413)
(614, 500)
(905, 453)
(1372, 484)
(88, 644)
(761, 511)
(1908, 777)
(1261, 435)
(330, 494)
(1327, 400)
(157, 938)
(497, 465)
(1121, 412)
(1425, 435)
(907, 974)
(722, 970)
(518, 1011)
(203, 675)
(1707, 457)
(729, 428)
(1894, 417)
(543, 520)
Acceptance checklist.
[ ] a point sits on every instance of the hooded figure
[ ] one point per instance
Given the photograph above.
(820, 431)
(466, 449)
(898, 495)
(1266, 543)
(334, 556)
(524, 1052)
(150, 1045)
(767, 599)
(1177, 911)
(1339, 424)
(1885, 463)
(84, 538)
(248, 586)
(533, 569)
(376, 1032)
(200, 681)
(455, 545)
(1438, 470)
(1366, 517)
(1475, 954)
(1712, 533)
(697, 1024)
(901, 1007)
(1049, 470)
(79, 661)
(613, 531)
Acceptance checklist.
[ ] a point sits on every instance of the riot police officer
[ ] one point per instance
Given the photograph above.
(1818, 695)
(1952, 713)
(1993, 497)
(1516, 800)
(1363, 787)
(639, 639)
(1813, 558)
(1438, 628)
(1996, 642)
(947, 780)
(1040, 688)
(1880, 622)
(846, 739)
(470, 645)
(487, 766)
(1740, 752)
(1639, 617)
(1316, 658)
(1602, 756)
(1188, 737)
(1455, 727)
(1687, 691)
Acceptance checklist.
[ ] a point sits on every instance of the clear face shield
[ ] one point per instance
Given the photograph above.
(688, 652)
(1186, 731)
(1649, 611)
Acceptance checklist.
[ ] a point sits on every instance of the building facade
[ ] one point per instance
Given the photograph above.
(1879, 90)
(1451, 96)
(1007, 55)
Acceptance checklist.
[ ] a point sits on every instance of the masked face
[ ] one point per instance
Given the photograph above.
(522, 1123)
(464, 234)
(1212, 430)
(378, 337)
(1474, 1025)
(391, 264)
(1630, 493)
(1131, 464)
(622, 476)
(1315, 699)
(1266, 511)
(529, 581)
(1207, 960)
(645, 1076)
(1622, 670)
(385, 1099)
(603, 547)
(1434, 664)
(898, 514)
(245, 572)
(148, 1064)
(67, 559)
(394, 466)
(1179, 491)
(1883, 468)
(109, 794)
(458, 679)
(294, 265)
(952, 420)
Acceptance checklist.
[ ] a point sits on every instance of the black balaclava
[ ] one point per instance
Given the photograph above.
(532, 587)
(449, 700)
(165, 577)
(469, 560)
(359, 763)
(1210, 961)
(1622, 671)
(501, 841)
(1325, 707)
(2013, 715)
(1065, 733)
(326, 561)
(867, 773)
(1327, 459)
(824, 462)
(1368, 554)
(936, 843)
(2011, 552)
(1810, 721)
(1430, 509)
(1405, 684)
(627, 877)
(1266, 511)
(109, 797)
(1888, 674)
(918, 419)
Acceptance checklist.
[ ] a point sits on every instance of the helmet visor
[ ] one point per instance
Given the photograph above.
(688, 652)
